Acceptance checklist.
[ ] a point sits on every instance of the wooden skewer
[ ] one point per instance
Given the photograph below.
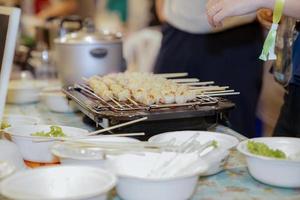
(43, 139)
(201, 90)
(172, 75)
(84, 143)
(119, 135)
(220, 94)
(186, 80)
(132, 101)
(116, 102)
(198, 83)
(117, 126)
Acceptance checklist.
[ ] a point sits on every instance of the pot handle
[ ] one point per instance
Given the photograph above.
(99, 53)
(71, 18)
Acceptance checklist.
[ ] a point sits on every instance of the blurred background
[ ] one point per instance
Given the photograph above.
(139, 24)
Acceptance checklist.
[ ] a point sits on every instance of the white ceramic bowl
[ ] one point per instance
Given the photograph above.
(59, 183)
(24, 91)
(89, 157)
(17, 120)
(10, 153)
(276, 172)
(134, 184)
(216, 159)
(38, 151)
(57, 101)
(6, 169)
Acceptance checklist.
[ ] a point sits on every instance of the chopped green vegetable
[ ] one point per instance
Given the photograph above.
(215, 144)
(4, 125)
(55, 131)
(262, 149)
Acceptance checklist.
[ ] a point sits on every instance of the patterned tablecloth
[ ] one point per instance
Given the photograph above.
(233, 183)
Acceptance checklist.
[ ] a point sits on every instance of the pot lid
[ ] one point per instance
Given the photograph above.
(89, 35)
(83, 37)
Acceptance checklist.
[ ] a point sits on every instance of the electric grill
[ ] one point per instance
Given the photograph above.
(199, 114)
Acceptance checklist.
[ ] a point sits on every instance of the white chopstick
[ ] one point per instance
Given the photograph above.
(123, 146)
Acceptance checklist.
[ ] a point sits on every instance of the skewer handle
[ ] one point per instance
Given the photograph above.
(122, 135)
(220, 94)
(186, 80)
(198, 83)
(117, 126)
(208, 88)
(172, 75)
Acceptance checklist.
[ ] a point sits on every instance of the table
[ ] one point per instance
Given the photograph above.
(233, 183)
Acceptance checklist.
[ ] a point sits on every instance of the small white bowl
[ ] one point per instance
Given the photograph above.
(17, 120)
(57, 101)
(135, 184)
(272, 171)
(11, 154)
(59, 183)
(6, 169)
(34, 151)
(24, 91)
(89, 157)
(216, 159)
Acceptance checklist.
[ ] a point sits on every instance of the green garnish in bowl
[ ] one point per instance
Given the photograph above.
(4, 125)
(262, 149)
(55, 131)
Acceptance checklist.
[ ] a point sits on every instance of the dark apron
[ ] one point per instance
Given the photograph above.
(288, 123)
(228, 58)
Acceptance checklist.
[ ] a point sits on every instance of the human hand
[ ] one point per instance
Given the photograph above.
(265, 17)
(218, 10)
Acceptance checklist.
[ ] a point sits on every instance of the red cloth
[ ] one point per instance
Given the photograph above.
(40, 5)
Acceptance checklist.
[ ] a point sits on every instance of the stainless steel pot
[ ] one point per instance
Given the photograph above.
(86, 53)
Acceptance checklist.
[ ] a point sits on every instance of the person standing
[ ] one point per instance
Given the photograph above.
(288, 123)
(226, 55)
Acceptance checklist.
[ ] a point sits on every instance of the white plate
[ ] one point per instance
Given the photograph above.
(58, 183)
(272, 171)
